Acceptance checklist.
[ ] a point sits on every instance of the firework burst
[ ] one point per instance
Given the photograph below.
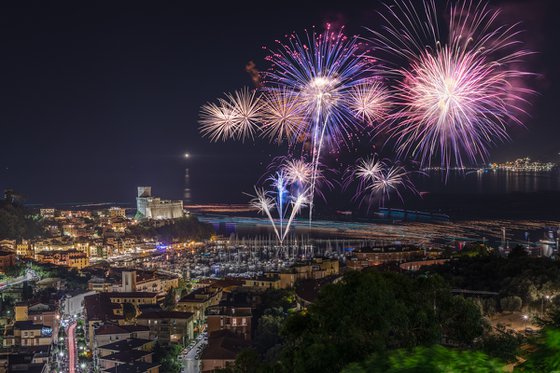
(237, 116)
(369, 102)
(283, 115)
(377, 180)
(454, 95)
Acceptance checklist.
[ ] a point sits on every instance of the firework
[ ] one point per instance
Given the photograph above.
(280, 200)
(454, 94)
(321, 70)
(282, 115)
(369, 102)
(378, 180)
(392, 180)
(298, 171)
(218, 121)
(237, 116)
(264, 205)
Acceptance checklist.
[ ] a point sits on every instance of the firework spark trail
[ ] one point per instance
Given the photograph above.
(454, 94)
(264, 204)
(297, 204)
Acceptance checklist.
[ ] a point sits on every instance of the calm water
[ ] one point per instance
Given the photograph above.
(489, 182)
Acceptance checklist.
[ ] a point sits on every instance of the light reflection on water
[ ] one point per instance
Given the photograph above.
(488, 182)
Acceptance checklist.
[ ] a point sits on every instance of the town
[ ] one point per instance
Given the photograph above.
(105, 290)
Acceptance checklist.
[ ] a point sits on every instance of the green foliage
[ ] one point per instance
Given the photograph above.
(502, 345)
(129, 311)
(16, 270)
(373, 312)
(551, 318)
(511, 304)
(526, 277)
(168, 357)
(17, 222)
(267, 335)
(435, 359)
(186, 228)
(546, 357)
(461, 320)
(170, 301)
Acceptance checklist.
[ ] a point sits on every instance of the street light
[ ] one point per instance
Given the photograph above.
(525, 318)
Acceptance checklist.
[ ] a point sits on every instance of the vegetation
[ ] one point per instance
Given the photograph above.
(186, 228)
(530, 279)
(129, 311)
(17, 222)
(168, 357)
(434, 359)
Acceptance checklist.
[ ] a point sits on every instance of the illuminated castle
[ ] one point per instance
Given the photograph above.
(149, 207)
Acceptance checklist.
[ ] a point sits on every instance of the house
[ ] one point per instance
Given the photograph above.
(7, 260)
(199, 300)
(221, 351)
(27, 334)
(168, 326)
(99, 310)
(236, 319)
(109, 333)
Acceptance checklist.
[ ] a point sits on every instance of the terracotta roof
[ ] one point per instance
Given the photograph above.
(99, 307)
(126, 344)
(166, 315)
(108, 329)
(131, 294)
(223, 345)
(128, 356)
(136, 367)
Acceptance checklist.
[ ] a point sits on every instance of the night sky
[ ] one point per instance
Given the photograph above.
(98, 98)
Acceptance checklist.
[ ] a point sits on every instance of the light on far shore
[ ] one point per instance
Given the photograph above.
(187, 155)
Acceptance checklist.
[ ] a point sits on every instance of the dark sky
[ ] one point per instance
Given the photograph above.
(98, 97)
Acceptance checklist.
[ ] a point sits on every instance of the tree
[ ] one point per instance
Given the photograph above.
(129, 311)
(546, 357)
(168, 357)
(169, 301)
(502, 345)
(435, 359)
(511, 304)
(26, 291)
(372, 311)
(269, 325)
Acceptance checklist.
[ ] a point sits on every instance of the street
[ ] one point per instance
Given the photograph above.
(71, 340)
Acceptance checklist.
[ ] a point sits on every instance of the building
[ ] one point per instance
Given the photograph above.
(149, 207)
(68, 258)
(129, 280)
(99, 310)
(25, 333)
(7, 260)
(47, 212)
(25, 249)
(25, 359)
(168, 326)
(199, 300)
(316, 269)
(117, 212)
(236, 319)
(223, 347)
(109, 333)
(125, 354)
(135, 298)
(373, 256)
